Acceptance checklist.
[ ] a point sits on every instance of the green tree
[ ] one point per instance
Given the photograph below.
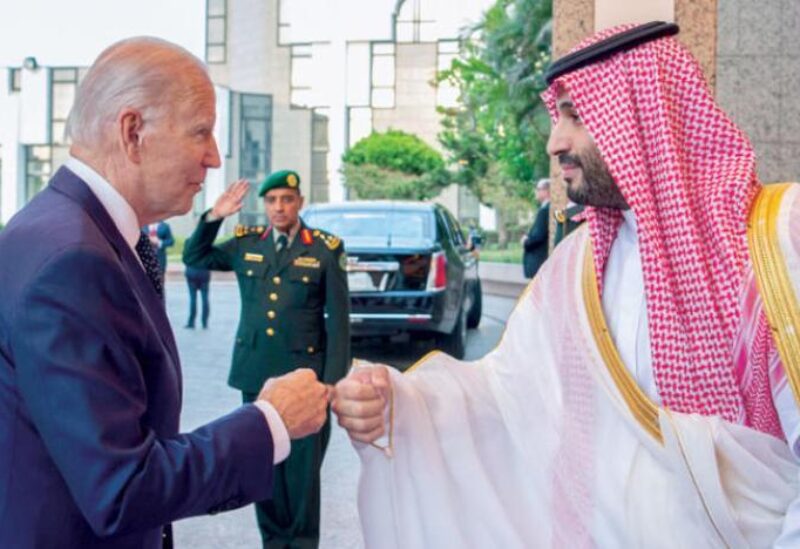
(394, 165)
(496, 139)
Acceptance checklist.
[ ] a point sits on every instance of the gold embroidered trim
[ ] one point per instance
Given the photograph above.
(642, 408)
(774, 282)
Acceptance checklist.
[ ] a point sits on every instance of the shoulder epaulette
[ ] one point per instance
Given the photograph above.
(331, 241)
(244, 230)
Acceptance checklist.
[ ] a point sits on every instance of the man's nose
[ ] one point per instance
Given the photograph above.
(212, 157)
(558, 142)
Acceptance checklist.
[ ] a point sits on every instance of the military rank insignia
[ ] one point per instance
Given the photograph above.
(332, 242)
(243, 230)
(560, 217)
(305, 237)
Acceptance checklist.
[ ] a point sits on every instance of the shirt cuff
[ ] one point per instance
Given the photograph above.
(210, 217)
(281, 443)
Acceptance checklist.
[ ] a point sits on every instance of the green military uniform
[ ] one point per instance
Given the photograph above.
(566, 222)
(285, 296)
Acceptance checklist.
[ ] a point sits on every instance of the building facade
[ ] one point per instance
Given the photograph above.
(297, 81)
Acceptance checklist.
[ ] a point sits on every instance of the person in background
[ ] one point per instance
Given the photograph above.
(198, 280)
(160, 235)
(295, 314)
(535, 243)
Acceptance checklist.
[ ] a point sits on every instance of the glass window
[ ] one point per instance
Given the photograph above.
(397, 226)
(382, 75)
(302, 76)
(255, 148)
(319, 156)
(216, 8)
(416, 22)
(65, 75)
(215, 54)
(383, 71)
(216, 31)
(14, 80)
(63, 86)
(38, 168)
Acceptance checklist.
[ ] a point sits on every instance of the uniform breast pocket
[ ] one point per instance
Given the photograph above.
(250, 275)
(306, 284)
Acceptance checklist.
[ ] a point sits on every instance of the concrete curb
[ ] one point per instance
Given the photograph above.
(502, 279)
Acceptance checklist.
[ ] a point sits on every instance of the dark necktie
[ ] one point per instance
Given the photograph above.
(282, 244)
(148, 256)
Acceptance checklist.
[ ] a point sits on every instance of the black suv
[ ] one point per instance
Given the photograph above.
(409, 269)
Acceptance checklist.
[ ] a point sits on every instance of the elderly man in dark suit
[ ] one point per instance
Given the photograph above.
(90, 379)
(535, 243)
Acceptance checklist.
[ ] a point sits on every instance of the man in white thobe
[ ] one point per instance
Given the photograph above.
(644, 392)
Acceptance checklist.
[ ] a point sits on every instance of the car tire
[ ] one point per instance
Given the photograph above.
(476, 310)
(455, 343)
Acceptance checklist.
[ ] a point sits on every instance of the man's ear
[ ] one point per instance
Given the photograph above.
(130, 134)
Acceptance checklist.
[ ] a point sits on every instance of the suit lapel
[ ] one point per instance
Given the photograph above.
(69, 184)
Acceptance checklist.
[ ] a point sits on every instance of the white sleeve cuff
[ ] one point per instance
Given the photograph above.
(281, 443)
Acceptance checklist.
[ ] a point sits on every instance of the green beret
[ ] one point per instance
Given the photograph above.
(283, 179)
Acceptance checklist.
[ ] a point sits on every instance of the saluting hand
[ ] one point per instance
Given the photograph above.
(300, 399)
(232, 200)
(360, 402)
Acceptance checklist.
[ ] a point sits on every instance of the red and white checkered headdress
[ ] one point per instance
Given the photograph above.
(688, 173)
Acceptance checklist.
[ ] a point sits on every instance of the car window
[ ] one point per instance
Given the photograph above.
(395, 224)
(452, 228)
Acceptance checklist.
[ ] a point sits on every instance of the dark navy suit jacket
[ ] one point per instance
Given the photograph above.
(90, 392)
(535, 248)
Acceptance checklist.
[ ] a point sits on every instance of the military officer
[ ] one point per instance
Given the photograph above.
(290, 276)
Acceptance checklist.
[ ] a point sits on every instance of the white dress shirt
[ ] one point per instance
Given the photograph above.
(125, 219)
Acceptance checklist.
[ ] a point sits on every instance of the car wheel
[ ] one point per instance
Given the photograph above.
(476, 311)
(455, 343)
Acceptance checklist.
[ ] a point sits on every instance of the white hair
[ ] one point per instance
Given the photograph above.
(143, 73)
(543, 185)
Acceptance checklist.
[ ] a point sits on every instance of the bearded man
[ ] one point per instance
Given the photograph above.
(655, 404)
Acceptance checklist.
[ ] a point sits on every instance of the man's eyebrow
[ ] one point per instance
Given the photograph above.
(566, 104)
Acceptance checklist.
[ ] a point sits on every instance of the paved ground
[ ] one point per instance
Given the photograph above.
(205, 356)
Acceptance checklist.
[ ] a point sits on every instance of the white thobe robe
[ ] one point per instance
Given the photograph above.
(534, 445)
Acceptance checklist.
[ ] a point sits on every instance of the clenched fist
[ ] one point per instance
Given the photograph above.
(360, 402)
(300, 399)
